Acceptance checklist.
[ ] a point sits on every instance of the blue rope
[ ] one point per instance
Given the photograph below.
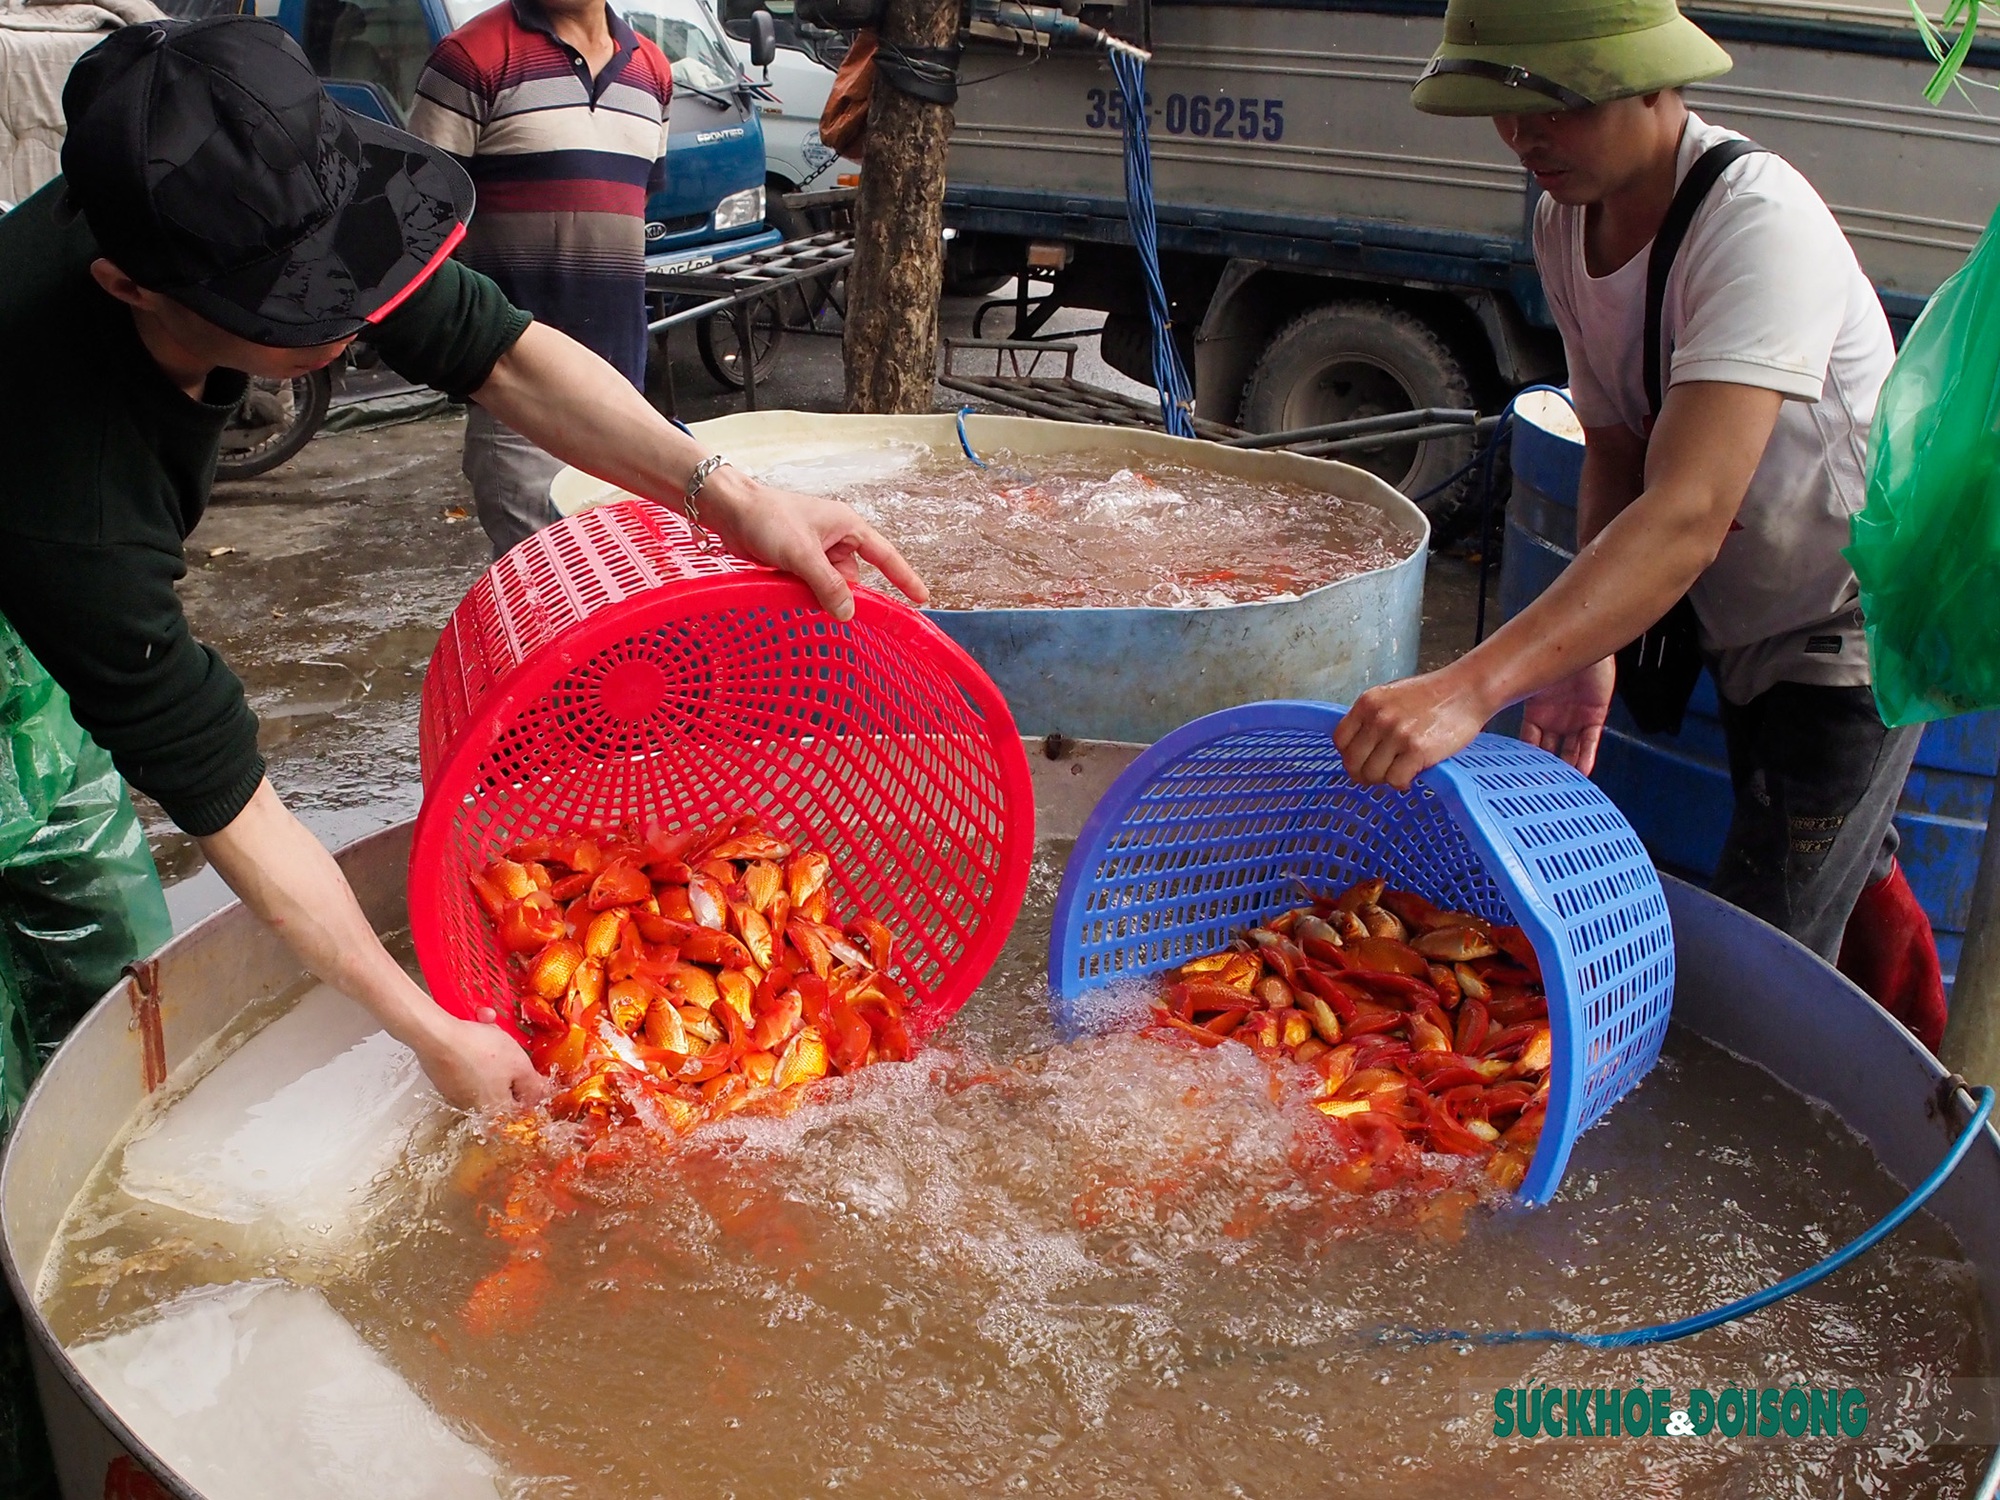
(966, 442)
(1176, 395)
(1666, 1332)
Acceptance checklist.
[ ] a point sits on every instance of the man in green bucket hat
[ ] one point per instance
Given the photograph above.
(1725, 353)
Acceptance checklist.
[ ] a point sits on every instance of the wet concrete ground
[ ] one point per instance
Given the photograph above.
(324, 585)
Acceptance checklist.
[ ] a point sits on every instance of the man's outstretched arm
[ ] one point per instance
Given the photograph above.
(1704, 451)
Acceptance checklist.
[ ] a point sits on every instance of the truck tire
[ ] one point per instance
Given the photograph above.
(1363, 359)
(964, 276)
(802, 307)
(780, 215)
(1127, 345)
(973, 283)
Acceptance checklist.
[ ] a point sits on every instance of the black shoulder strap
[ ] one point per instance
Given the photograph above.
(1667, 244)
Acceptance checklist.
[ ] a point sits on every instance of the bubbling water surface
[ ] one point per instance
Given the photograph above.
(1014, 1266)
(1110, 529)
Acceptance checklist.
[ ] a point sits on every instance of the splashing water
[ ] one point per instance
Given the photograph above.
(1105, 1269)
(1054, 530)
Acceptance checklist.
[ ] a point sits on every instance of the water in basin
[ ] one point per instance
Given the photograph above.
(1014, 1267)
(1106, 529)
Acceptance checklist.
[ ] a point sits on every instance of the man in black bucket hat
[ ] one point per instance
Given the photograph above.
(219, 217)
(1725, 353)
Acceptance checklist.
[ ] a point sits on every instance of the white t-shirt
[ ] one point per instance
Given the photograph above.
(1765, 292)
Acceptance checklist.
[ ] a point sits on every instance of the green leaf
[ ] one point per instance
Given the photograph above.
(1949, 61)
(1933, 42)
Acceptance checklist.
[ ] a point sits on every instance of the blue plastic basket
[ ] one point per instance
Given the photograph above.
(1211, 829)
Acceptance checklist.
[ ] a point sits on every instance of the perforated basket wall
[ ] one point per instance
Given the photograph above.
(605, 671)
(1209, 831)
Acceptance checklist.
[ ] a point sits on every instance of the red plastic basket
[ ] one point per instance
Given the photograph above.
(605, 672)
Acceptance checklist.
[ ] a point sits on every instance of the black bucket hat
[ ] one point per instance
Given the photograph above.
(213, 168)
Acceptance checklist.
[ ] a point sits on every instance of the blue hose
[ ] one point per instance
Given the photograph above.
(1169, 377)
(1662, 1333)
(966, 442)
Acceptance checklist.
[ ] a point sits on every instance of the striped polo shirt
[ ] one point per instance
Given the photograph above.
(563, 164)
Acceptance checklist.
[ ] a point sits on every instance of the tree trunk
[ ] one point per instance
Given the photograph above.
(893, 287)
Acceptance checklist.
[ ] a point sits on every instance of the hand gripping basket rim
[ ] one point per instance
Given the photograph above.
(529, 680)
(1464, 798)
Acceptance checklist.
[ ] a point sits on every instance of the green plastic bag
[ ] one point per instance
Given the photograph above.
(1927, 545)
(79, 899)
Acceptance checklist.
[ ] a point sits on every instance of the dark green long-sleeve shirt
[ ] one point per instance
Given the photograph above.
(105, 467)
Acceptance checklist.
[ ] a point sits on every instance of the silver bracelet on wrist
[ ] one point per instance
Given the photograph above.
(696, 480)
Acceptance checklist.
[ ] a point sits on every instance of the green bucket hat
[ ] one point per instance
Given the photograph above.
(1510, 57)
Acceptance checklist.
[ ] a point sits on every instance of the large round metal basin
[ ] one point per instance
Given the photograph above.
(1742, 985)
(1130, 674)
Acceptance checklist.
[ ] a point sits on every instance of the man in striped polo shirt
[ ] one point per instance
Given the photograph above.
(558, 109)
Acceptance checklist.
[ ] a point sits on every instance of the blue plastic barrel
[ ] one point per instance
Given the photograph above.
(1675, 788)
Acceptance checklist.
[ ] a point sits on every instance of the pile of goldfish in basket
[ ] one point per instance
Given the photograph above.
(671, 979)
(678, 978)
(1411, 1029)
